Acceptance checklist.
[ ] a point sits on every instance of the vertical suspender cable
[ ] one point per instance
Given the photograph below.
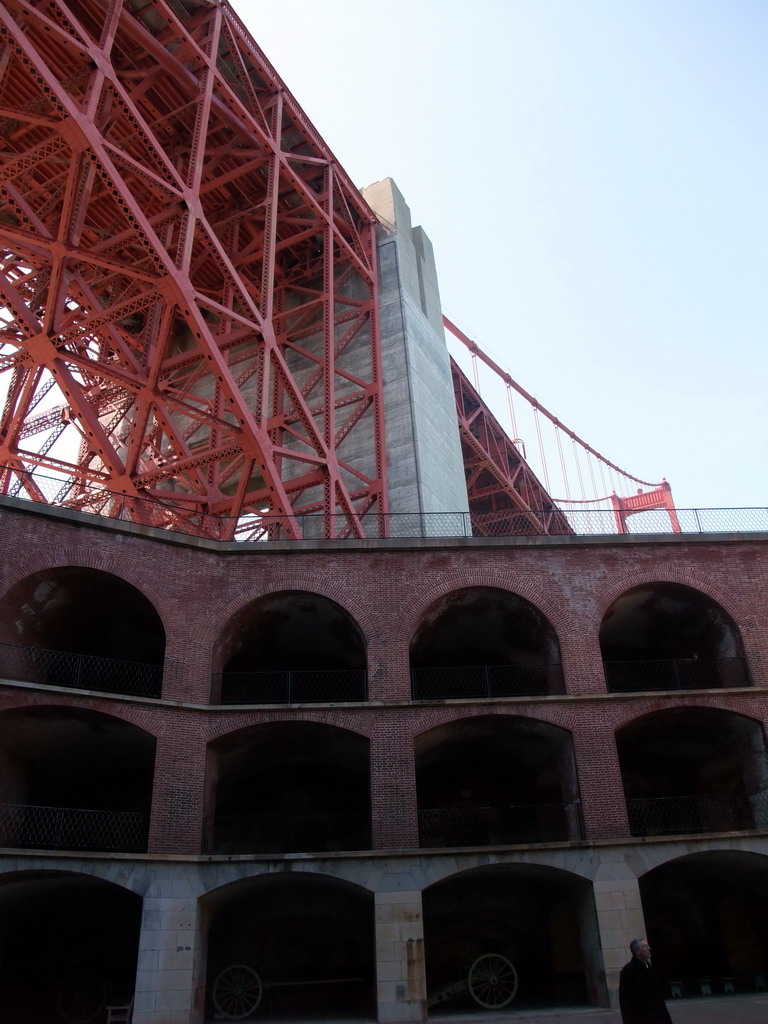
(512, 416)
(602, 477)
(590, 460)
(541, 450)
(562, 463)
(578, 469)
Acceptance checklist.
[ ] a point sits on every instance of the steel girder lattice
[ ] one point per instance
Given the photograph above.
(505, 497)
(189, 279)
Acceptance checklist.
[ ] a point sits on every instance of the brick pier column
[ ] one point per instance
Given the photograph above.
(393, 787)
(602, 791)
(178, 793)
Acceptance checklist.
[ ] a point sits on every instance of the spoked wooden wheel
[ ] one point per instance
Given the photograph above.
(492, 981)
(81, 996)
(237, 992)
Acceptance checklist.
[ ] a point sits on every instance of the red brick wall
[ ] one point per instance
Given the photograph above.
(197, 589)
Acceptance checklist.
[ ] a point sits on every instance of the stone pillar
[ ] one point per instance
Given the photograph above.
(619, 915)
(394, 811)
(400, 977)
(170, 974)
(755, 773)
(425, 472)
(569, 788)
(591, 951)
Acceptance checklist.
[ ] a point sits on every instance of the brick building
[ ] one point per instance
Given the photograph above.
(373, 763)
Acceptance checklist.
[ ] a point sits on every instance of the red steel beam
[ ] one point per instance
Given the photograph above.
(187, 263)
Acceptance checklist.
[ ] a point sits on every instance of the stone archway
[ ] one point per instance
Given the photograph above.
(541, 919)
(707, 920)
(291, 944)
(69, 947)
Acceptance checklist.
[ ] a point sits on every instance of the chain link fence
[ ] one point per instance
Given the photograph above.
(80, 671)
(689, 815)
(297, 832)
(311, 686)
(30, 826)
(482, 681)
(676, 674)
(500, 825)
(171, 514)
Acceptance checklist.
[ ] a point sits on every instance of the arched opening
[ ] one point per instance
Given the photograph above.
(291, 648)
(541, 920)
(688, 770)
(666, 636)
(290, 944)
(496, 780)
(68, 947)
(72, 779)
(82, 628)
(290, 787)
(484, 642)
(707, 921)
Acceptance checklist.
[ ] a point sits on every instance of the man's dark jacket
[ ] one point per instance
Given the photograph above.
(640, 995)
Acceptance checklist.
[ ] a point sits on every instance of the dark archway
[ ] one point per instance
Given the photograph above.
(707, 919)
(667, 636)
(291, 647)
(69, 947)
(73, 779)
(484, 642)
(290, 787)
(496, 779)
(541, 919)
(688, 770)
(309, 939)
(82, 628)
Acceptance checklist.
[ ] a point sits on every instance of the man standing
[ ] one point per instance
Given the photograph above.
(641, 998)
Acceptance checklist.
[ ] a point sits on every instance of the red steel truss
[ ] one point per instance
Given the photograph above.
(501, 486)
(189, 276)
(659, 497)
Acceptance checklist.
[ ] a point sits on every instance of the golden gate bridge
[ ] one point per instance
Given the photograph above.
(191, 302)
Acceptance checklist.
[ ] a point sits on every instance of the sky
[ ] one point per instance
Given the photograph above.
(592, 175)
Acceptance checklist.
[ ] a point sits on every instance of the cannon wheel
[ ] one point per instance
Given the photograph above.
(237, 991)
(81, 997)
(492, 981)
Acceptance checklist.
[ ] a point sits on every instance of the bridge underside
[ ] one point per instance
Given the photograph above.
(189, 276)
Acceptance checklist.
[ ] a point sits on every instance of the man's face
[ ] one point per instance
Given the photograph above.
(643, 951)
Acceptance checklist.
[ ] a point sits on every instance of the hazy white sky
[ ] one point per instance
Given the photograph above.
(592, 174)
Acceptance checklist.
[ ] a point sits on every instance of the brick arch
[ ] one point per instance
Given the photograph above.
(110, 564)
(136, 716)
(246, 594)
(528, 587)
(217, 729)
(628, 714)
(671, 574)
(447, 715)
